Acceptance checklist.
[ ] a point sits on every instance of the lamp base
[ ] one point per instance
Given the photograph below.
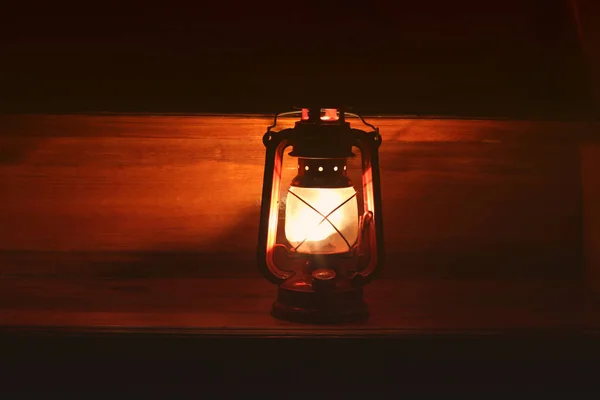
(299, 302)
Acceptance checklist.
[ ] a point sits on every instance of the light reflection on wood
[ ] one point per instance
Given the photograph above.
(460, 197)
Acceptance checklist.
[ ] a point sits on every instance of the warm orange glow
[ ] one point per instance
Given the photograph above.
(308, 229)
(369, 203)
(330, 114)
(274, 211)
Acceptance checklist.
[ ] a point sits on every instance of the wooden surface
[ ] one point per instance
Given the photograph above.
(587, 13)
(171, 196)
(150, 222)
(242, 306)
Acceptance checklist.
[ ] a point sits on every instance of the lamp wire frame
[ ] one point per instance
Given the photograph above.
(325, 218)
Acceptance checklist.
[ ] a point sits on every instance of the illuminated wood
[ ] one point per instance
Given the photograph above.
(234, 306)
(111, 195)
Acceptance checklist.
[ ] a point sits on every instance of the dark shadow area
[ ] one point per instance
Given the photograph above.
(153, 361)
(516, 58)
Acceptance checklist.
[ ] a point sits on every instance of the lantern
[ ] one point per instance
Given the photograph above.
(318, 240)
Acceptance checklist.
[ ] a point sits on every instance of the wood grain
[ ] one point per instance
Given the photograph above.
(176, 196)
(234, 306)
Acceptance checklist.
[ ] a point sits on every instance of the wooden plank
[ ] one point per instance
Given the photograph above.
(110, 195)
(587, 18)
(243, 305)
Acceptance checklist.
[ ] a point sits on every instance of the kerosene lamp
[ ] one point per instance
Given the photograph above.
(317, 240)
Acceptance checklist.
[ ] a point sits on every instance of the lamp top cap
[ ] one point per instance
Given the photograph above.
(322, 115)
(324, 106)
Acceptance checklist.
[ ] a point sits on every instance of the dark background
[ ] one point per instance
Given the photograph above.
(509, 58)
